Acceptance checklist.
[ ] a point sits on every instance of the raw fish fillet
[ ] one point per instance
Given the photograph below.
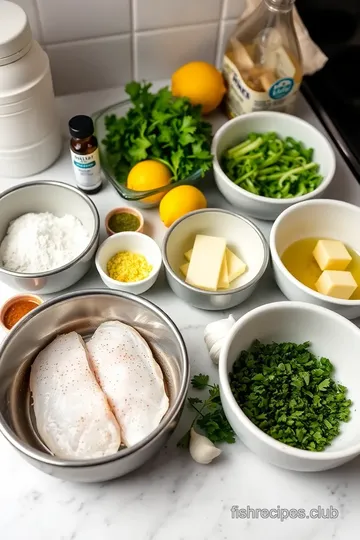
(72, 414)
(130, 377)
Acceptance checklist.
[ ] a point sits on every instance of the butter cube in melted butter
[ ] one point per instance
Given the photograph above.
(331, 255)
(336, 283)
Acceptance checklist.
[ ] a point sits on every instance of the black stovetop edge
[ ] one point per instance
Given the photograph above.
(351, 160)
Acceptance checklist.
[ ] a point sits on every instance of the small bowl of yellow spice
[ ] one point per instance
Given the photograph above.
(129, 261)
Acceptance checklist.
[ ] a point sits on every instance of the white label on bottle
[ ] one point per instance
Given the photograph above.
(242, 99)
(87, 170)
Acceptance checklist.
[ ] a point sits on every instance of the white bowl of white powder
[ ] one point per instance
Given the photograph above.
(49, 233)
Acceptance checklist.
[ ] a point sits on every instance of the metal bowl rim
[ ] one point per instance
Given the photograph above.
(254, 280)
(48, 459)
(90, 245)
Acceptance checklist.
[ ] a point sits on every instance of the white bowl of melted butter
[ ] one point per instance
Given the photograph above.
(311, 221)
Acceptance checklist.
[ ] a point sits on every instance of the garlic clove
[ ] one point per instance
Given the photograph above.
(221, 326)
(215, 352)
(202, 450)
(214, 335)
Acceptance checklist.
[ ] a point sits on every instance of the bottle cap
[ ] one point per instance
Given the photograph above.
(81, 126)
(15, 33)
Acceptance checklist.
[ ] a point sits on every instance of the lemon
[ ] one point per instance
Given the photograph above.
(201, 82)
(180, 201)
(149, 174)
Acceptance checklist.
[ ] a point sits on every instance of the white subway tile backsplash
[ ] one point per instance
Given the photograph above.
(30, 8)
(161, 52)
(69, 20)
(152, 14)
(233, 8)
(91, 64)
(96, 44)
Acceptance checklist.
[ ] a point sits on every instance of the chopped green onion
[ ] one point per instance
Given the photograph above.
(268, 166)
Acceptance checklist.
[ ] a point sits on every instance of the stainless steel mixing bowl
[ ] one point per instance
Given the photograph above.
(59, 199)
(83, 312)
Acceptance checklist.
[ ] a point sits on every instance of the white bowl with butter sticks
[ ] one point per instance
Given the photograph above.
(214, 258)
(318, 219)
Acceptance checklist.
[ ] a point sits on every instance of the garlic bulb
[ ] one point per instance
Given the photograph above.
(215, 334)
(202, 449)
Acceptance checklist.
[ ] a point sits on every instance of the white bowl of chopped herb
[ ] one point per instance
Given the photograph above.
(129, 261)
(290, 385)
(265, 162)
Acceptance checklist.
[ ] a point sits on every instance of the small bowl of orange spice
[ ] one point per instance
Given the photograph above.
(16, 308)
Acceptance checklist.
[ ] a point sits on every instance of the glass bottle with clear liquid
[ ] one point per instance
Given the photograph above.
(262, 64)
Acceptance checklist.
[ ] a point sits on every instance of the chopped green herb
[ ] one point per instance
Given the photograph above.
(160, 127)
(267, 165)
(290, 394)
(124, 222)
(210, 416)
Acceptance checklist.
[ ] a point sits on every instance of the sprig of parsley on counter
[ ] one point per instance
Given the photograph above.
(161, 127)
(210, 416)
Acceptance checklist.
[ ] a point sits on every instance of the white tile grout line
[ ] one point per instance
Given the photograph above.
(218, 60)
(133, 54)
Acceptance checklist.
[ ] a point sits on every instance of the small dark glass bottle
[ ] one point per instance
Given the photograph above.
(85, 154)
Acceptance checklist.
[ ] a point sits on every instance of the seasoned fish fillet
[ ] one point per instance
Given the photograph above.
(130, 377)
(72, 414)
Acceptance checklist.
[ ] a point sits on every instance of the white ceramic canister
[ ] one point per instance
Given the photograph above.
(30, 137)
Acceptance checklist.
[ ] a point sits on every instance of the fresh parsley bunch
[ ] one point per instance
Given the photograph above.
(210, 416)
(160, 127)
(290, 394)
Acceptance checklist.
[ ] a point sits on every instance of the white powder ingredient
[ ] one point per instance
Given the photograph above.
(41, 242)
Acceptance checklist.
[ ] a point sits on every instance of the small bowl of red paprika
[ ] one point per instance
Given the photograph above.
(16, 308)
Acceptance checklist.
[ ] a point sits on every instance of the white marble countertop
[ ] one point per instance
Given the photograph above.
(172, 497)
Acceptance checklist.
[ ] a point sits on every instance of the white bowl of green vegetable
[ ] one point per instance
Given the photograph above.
(290, 385)
(265, 162)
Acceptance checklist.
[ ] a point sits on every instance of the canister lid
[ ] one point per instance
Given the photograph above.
(15, 32)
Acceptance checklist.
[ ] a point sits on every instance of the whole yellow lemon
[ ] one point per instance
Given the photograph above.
(180, 201)
(149, 174)
(201, 82)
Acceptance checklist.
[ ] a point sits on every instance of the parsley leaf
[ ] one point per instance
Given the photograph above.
(200, 381)
(324, 384)
(158, 126)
